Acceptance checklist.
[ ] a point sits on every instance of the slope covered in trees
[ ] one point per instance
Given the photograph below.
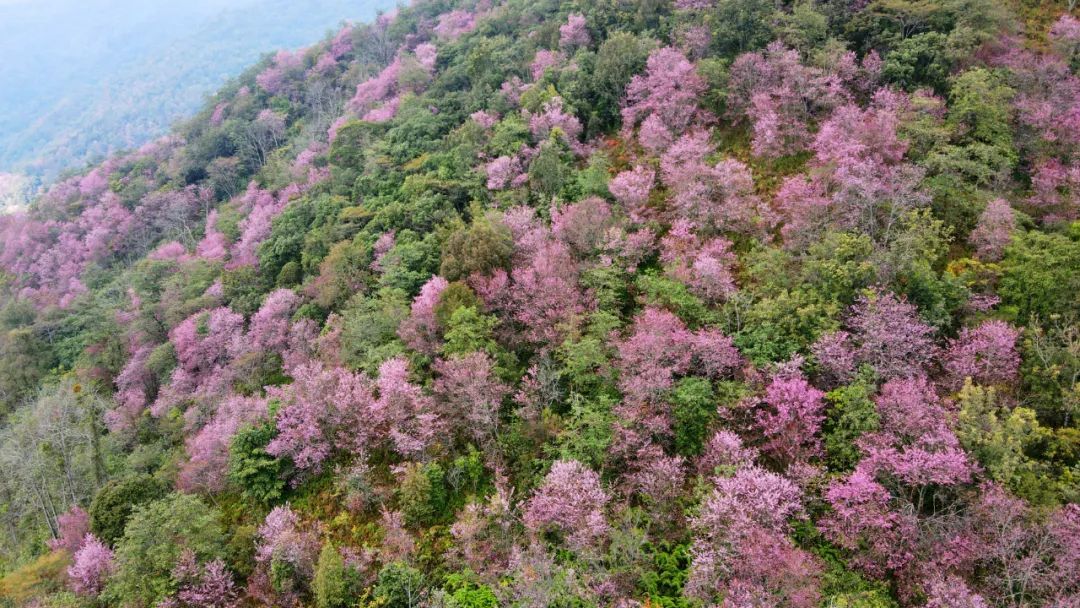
(540, 303)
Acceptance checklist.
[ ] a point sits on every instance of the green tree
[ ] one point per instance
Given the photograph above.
(156, 535)
(1039, 275)
(259, 475)
(694, 409)
(335, 584)
(114, 503)
(850, 414)
(399, 586)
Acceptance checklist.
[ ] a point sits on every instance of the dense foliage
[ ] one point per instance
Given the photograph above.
(540, 303)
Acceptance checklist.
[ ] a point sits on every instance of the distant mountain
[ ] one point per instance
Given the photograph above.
(84, 79)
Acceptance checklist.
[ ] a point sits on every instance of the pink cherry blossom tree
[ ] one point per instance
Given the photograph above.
(73, 527)
(994, 230)
(570, 501)
(322, 409)
(574, 33)
(739, 546)
(470, 395)
(669, 89)
(632, 189)
(421, 330)
(987, 354)
(791, 419)
(93, 564)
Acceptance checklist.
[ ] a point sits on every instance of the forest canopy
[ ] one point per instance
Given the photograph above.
(539, 303)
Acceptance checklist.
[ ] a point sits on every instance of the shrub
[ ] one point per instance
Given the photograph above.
(116, 500)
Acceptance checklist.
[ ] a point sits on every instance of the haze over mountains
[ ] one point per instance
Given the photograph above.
(88, 77)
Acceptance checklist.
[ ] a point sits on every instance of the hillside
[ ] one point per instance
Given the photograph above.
(535, 303)
(98, 76)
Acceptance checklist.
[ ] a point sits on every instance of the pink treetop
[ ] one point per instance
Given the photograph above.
(280, 523)
(691, 5)
(454, 24)
(994, 230)
(269, 327)
(213, 246)
(862, 183)
(170, 252)
(426, 54)
(780, 97)
(632, 189)
(890, 336)
(694, 40)
(719, 197)
(421, 330)
(657, 478)
(255, 228)
(501, 172)
(342, 43)
(835, 357)
(545, 296)
(208, 449)
(582, 226)
(205, 344)
(94, 183)
(661, 348)
(403, 413)
(377, 89)
(340, 121)
(915, 446)
(987, 354)
(132, 386)
(867, 135)
(669, 89)
(93, 564)
(73, 528)
(207, 586)
(469, 394)
(628, 248)
(397, 543)
(544, 60)
(1065, 36)
(574, 33)
(1056, 190)
(714, 279)
(685, 159)
(705, 267)
(952, 592)
(321, 409)
(571, 501)
(552, 117)
(1047, 102)
(792, 418)
(752, 497)
(207, 340)
(273, 78)
(654, 136)
(739, 547)
(282, 538)
(725, 449)
(1063, 530)
(384, 113)
(484, 119)
(861, 520)
(383, 245)
(653, 355)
